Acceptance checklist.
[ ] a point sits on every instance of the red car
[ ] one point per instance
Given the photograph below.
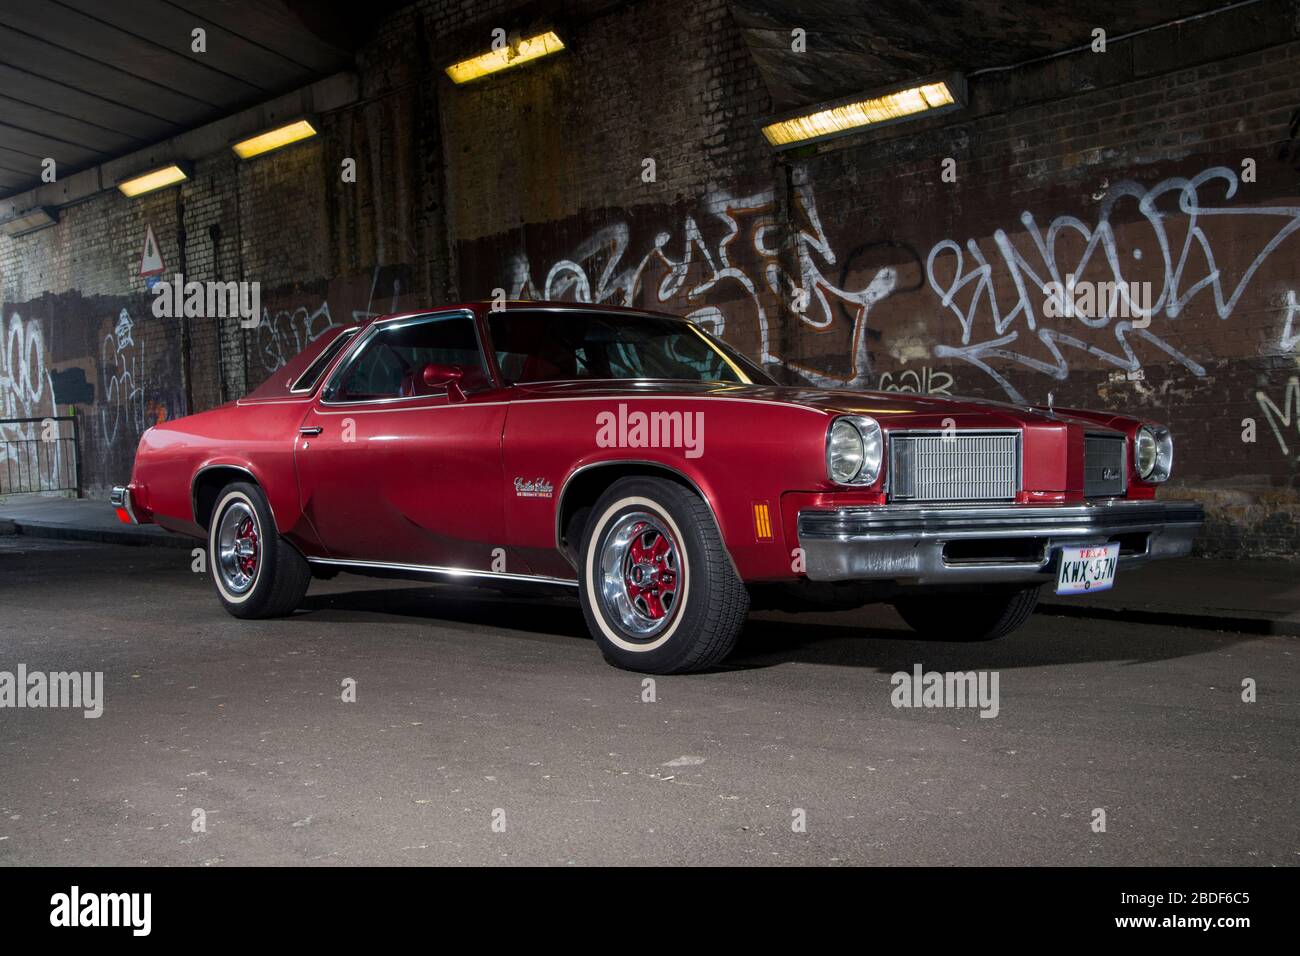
(665, 476)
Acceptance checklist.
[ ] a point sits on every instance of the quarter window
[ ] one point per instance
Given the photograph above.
(307, 381)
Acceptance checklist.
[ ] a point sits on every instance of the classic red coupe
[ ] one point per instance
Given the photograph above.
(665, 476)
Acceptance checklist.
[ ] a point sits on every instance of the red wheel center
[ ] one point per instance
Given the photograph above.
(246, 546)
(651, 577)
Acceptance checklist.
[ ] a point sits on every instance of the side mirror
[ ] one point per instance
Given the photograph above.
(436, 375)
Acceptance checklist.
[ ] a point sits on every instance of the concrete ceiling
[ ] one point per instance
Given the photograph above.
(84, 81)
(854, 45)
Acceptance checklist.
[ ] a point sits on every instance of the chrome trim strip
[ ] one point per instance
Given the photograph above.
(447, 572)
(929, 521)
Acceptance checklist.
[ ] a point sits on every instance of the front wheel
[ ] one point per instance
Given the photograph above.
(255, 571)
(967, 617)
(657, 587)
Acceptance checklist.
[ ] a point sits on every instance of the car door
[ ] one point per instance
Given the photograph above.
(395, 470)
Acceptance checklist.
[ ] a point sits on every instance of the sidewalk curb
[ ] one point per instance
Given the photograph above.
(136, 538)
(1204, 620)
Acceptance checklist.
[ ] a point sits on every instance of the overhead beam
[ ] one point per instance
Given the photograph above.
(324, 96)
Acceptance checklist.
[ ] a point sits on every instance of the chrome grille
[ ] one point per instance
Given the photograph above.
(1105, 470)
(966, 466)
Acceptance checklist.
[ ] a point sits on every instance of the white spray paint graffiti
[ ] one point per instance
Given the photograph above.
(927, 381)
(121, 366)
(1174, 271)
(1280, 419)
(283, 335)
(286, 333)
(26, 391)
(596, 272)
(1290, 334)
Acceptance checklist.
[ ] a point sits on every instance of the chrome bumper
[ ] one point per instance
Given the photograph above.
(950, 544)
(120, 499)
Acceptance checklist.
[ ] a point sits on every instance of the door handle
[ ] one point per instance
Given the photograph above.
(310, 430)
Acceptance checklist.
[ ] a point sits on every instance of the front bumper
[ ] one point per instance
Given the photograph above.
(952, 544)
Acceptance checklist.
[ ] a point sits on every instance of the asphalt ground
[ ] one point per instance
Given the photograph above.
(486, 729)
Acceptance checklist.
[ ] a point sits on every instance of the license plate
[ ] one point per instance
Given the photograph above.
(1088, 568)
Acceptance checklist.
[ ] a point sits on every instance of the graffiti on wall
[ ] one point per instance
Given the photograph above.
(1182, 271)
(1280, 420)
(729, 274)
(26, 391)
(1290, 328)
(1189, 247)
(925, 381)
(121, 364)
(286, 331)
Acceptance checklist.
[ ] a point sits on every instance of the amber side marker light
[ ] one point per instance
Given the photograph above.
(273, 139)
(525, 51)
(915, 100)
(154, 180)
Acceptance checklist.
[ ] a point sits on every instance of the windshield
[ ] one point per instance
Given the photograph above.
(548, 346)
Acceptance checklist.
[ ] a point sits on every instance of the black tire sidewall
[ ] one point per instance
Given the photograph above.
(666, 650)
(969, 619)
(252, 602)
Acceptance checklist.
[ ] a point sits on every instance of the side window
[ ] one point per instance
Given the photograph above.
(391, 362)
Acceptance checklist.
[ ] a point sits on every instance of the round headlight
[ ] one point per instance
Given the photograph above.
(1154, 453)
(1145, 453)
(854, 451)
(844, 452)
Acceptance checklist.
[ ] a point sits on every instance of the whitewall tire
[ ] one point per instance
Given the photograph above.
(256, 573)
(658, 589)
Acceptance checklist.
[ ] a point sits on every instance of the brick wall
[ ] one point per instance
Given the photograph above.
(849, 263)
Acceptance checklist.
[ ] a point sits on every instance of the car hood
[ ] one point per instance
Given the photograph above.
(891, 409)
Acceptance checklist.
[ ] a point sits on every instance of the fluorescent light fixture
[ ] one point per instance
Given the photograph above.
(894, 104)
(532, 48)
(39, 217)
(156, 179)
(276, 138)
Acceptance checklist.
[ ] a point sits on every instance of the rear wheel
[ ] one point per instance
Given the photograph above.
(255, 571)
(657, 587)
(973, 617)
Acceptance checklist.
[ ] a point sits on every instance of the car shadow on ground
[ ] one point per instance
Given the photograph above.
(879, 642)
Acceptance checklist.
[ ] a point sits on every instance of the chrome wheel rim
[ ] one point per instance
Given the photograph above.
(642, 576)
(239, 551)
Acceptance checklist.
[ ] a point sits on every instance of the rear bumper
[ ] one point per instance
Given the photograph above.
(950, 544)
(123, 504)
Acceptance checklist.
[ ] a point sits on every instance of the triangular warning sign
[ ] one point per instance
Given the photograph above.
(151, 259)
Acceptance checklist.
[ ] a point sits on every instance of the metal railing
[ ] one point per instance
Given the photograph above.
(39, 454)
